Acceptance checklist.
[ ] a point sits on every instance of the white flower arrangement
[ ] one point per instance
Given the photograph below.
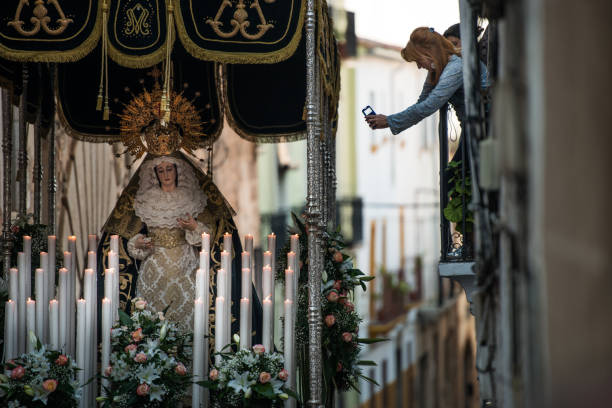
(40, 378)
(148, 362)
(249, 378)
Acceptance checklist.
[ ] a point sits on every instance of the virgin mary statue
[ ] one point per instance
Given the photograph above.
(160, 217)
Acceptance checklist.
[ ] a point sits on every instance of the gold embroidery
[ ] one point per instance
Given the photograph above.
(167, 237)
(240, 20)
(137, 22)
(40, 18)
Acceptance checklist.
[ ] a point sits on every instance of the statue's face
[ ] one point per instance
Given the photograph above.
(166, 172)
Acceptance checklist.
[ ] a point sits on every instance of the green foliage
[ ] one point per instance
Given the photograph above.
(167, 352)
(341, 346)
(458, 195)
(248, 378)
(40, 368)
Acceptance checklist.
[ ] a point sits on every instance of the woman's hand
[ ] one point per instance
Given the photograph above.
(143, 243)
(377, 121)
(187, 223)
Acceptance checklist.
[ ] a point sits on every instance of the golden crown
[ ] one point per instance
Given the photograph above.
(146, 128)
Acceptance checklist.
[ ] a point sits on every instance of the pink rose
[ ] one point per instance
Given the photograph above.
(349, 306)
(330, 320)
(339, 367)
(142, 390)
(214, 374)
(130, 347)
(108, 370)
(17, 372)
(49, 385)
(140, 304)
(61, 360)
(347, 337)
(338, 285)
(283, 375)
(140, 358)
(259, 348)
(137, 335)
(338, 257)
(332, 296)
(264, 377)
(180, 369)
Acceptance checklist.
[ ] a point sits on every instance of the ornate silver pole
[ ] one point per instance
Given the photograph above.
(313, 212)
(38, 172)
(23, 142)
(333, 176)
(52, 186)
(324, 158)
(7, 149)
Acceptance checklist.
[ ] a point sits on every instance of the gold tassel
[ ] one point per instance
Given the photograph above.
(103, 58)
(99, 102)
(166, 93)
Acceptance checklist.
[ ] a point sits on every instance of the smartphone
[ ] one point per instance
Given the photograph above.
(368, 111)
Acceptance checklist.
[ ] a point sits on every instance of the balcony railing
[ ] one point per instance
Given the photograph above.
(456, 224)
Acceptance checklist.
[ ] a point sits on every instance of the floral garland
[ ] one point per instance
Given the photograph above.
(248, 378)
(341, 346)
(41, 378)
(148, 362)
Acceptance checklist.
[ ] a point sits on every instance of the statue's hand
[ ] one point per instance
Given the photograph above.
(187, 223)
(143, 243)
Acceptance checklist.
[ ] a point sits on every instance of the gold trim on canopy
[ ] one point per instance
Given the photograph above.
(238, 58)
(72, 55)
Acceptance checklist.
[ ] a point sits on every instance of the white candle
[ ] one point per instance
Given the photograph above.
(114, 243)
(267, 259)
(267, 327)
(46, 297)
(31, 323)
(246, 283)
(51, 241)
(267, 282)
(204, 260)
(89, 293)
(272, 249)
(245, 316)
(10, 330)
(227, 242)
(54, 324)
(113, 262)
(64, 298)
(92, 261)
(226, 265)
(41, 304)
(70, 265)
(289, 288)
(107, 317)
(219, 327)
(198, 350)
(80, 344)
(206, 242)
(108, 285)
(289, 344)
(13, 284)
(246, 259)
(291, 260)
(27, 250)
(92, 242)
(21, 302)
(248, 247)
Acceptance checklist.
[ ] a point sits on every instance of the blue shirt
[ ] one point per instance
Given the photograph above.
(448, 89)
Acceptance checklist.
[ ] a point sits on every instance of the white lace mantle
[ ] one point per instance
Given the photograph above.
(158, 208)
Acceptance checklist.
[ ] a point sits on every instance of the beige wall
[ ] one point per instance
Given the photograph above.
(577, 192)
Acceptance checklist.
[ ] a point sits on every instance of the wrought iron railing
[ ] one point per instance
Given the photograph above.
(456, 236)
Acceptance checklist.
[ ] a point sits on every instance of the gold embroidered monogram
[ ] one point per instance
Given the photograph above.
(240, 20)
(39, 18)
(138, 21)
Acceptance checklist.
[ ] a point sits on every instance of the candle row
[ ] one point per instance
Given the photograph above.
(56, 319)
